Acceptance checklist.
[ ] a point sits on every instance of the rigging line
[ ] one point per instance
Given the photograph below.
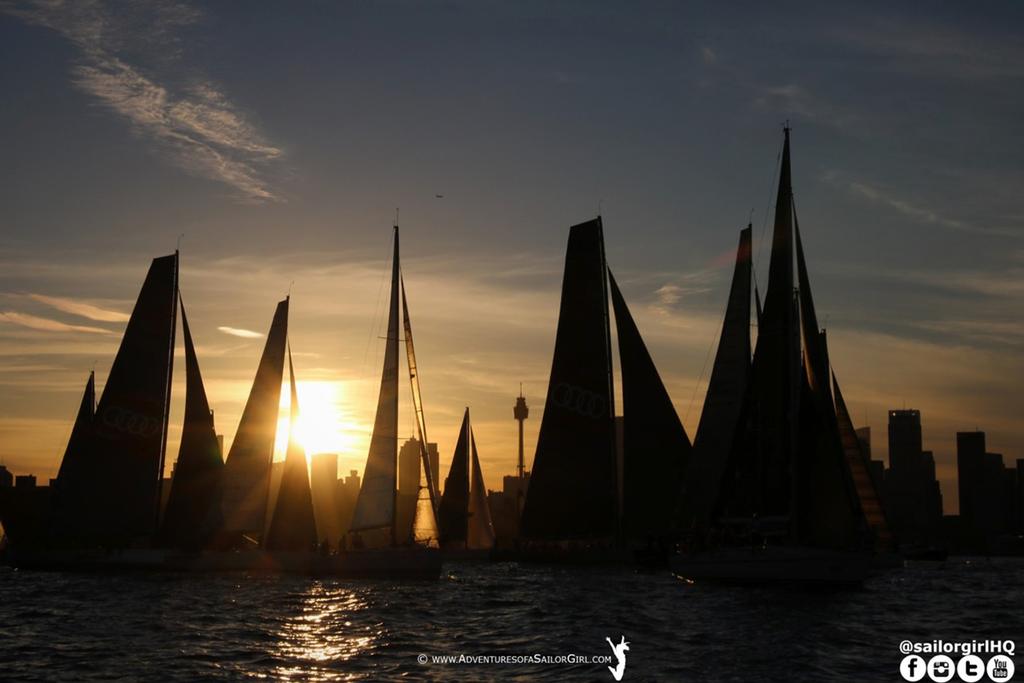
(375, 324)
(700, 379)
(768, 206)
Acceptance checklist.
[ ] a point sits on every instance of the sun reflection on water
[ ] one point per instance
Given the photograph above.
(324, 634)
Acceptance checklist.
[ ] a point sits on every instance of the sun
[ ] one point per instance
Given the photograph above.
(325, 423)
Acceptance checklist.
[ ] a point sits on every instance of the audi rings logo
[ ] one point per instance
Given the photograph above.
(579, 400)
(130, 422)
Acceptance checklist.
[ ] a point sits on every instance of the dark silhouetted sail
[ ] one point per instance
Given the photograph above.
(246, 477)
(375, 506)
(293, 525)
(71, 478)
(480, 528)
(193, 506)
(452, 515)
(815, 355)
(424, 523)
(573, 486)
(656, 449)
(776, 365)
(116, 501)
(720, 421)
(870, 500)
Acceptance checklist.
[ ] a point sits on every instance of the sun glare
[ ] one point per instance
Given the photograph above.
(324, 425)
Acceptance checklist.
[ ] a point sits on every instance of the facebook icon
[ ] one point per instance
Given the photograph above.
(913, 668)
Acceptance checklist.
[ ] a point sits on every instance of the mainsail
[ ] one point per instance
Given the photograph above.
(725, 399)
(572, 492)
(293, 525)
(375, 506)
(656, 449)
(193, 509)
(480, 533)
(452, 514)
(113, 497)
(776, 365)
(246, 480)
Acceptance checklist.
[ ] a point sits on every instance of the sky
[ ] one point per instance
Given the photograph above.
(274, 142)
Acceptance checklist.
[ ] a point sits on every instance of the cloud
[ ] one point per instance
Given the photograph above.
(239, 332)
(708, 55)
(189, 119)
(81, 309)
(919, 213)
(45, 324)
(796, 100)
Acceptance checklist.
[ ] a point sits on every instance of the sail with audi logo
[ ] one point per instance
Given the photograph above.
(108, 492)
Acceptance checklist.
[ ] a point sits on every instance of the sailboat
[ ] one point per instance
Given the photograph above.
(375, 544)
(105, 504)
(579, 508)
(769, 495)
(464, 517)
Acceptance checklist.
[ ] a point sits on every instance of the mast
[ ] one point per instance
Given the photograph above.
(417, 399)
(167, 395)
(377, 501)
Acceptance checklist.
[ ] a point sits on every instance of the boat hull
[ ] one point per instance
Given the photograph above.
(780, 564)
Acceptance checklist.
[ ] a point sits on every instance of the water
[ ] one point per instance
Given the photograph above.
(171, 627)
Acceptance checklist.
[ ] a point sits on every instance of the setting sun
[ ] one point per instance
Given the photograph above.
(325, 423)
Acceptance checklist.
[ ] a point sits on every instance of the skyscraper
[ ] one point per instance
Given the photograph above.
(913, 498)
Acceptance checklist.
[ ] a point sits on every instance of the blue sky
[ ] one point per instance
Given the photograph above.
(279, 138)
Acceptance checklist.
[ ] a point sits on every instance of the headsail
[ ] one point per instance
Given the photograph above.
(870, 500)
(73, 466)
(293, 525)
(726, 396)
(424, 524)
(452, 513)
(114, 497)
(193, 510)
(656, 448)
(572, 492)
(246, 481)
(375, 506)
(480, 534)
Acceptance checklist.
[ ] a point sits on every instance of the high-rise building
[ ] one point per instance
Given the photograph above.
(970, 454)
(6, 478)
(323, 483)
(913, 499)
(25, 481)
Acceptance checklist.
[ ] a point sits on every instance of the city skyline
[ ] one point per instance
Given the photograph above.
(916, 263)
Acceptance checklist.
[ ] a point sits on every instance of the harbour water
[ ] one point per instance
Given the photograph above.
(175, 627)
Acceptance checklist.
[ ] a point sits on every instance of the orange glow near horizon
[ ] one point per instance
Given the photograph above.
(325, 424)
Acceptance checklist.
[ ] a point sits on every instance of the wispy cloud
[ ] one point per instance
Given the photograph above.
(189, 119)
(45, 324)
(239, 332)
(81, 308)
(919, 213)
(797, 100)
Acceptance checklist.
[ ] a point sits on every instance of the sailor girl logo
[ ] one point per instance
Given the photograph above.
(620, 655)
